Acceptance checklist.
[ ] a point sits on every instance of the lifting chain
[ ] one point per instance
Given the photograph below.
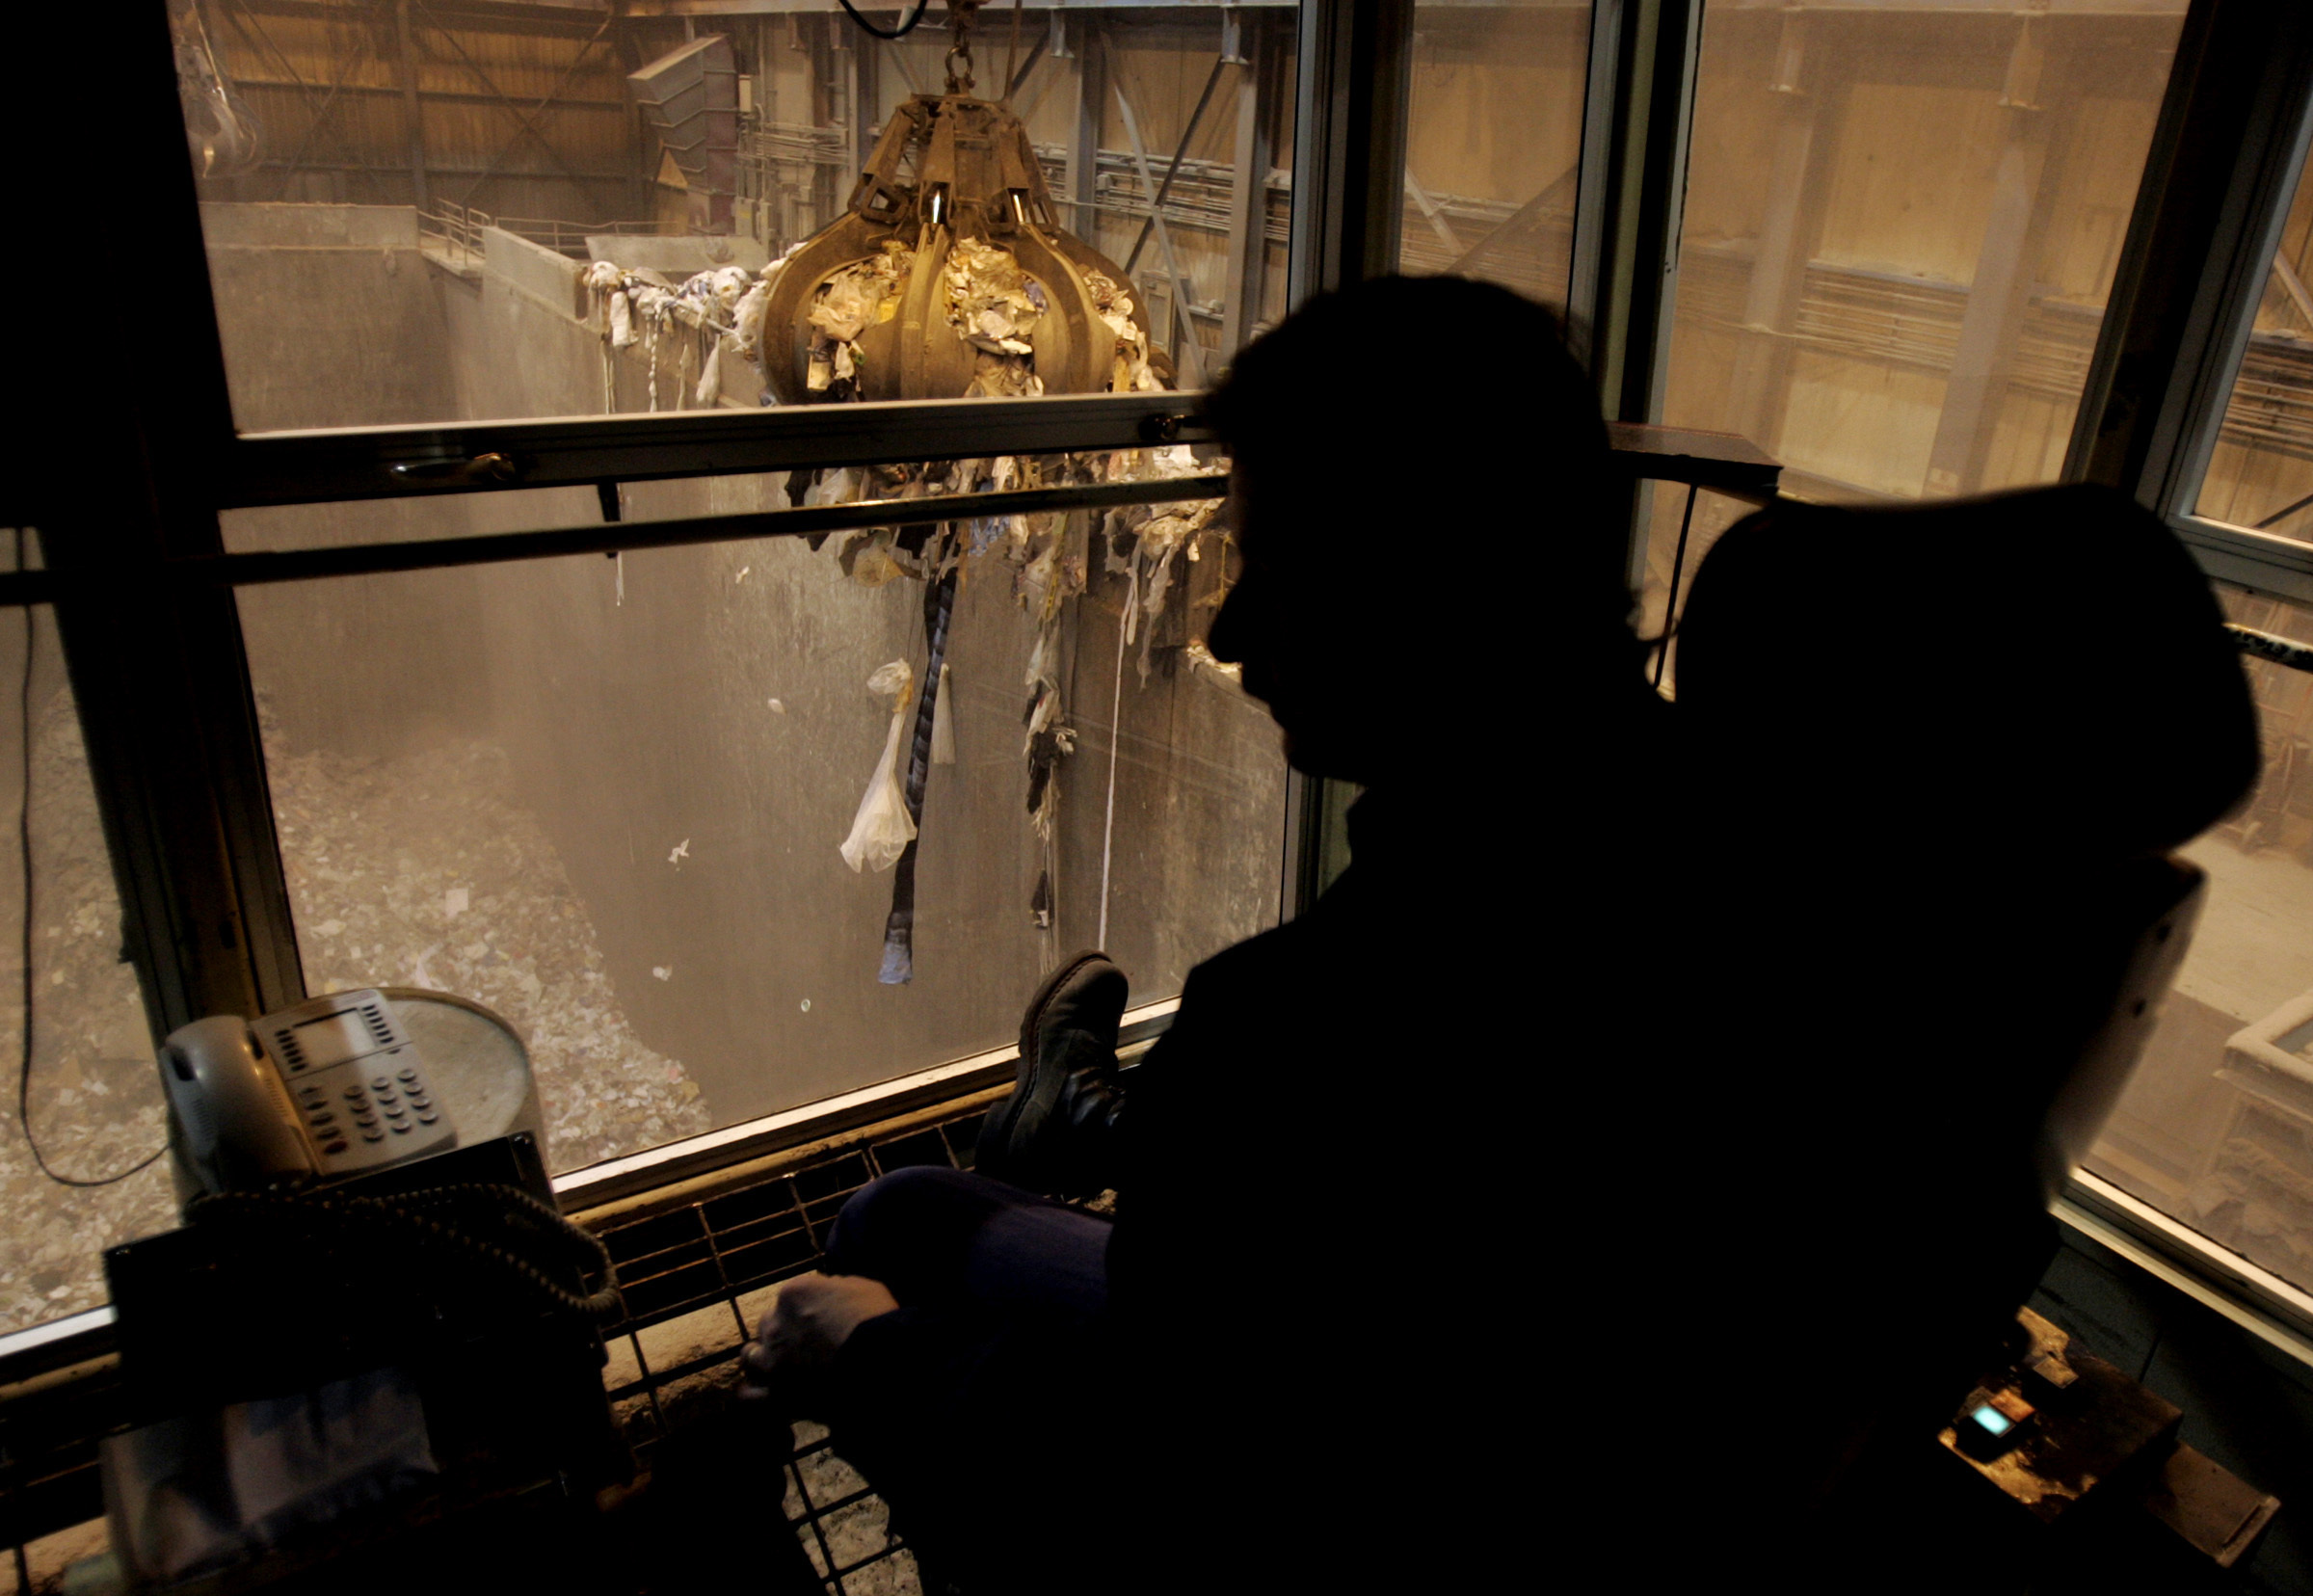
(960, 16)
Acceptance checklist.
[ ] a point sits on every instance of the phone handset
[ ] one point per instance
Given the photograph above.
(241, 1129)
(330, 1088)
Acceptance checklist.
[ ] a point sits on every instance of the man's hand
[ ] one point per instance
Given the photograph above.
(797, 1342)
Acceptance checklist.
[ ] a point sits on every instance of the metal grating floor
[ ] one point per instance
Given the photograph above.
(696, 1280)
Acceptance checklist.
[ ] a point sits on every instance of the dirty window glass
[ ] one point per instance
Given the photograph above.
(653, 808)
(95, 1092)
(421, 214)
(1901, 231)
(2216, 1128)
(1493, 140)
(2260, 474)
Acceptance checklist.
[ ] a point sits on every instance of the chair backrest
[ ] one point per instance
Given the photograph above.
(1879, 695)
(2153, 910)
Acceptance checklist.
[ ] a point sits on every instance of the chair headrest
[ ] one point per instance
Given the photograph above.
(2047, 664)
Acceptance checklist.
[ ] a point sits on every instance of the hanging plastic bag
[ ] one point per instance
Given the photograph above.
(944, 721)
(622, 322)
(711, 374)
(881, 830)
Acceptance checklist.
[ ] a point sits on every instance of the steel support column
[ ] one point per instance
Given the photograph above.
(413, 108)
(1999, 293)
(1797, 178)
(1184, 327)
(1249, 194)
(1084, 145)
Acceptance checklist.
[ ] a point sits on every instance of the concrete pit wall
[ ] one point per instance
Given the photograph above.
(633, 727)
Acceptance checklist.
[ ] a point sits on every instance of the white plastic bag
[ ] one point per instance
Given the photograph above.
(711, 374)
(622, 322)
(881, 830)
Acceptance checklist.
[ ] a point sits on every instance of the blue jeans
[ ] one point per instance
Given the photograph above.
(947, 1238)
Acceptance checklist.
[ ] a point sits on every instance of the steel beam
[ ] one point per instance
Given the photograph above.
(1184, 330)
(1213, 81)
(525, 121)
(1085, 142)
(412, 107)
(320, 112)
(302, 565)
(364, 463)
(438, 96)
(1999, 293)
(1249, 196)
(1797, 178)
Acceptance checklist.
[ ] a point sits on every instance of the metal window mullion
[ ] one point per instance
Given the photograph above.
(1638, 111)
(324, 465)
(1354, 63)
(2249, 559)
(2217, 182)
(158, 673)
(1630, 197)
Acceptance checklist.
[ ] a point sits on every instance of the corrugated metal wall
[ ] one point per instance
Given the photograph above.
(522, 110)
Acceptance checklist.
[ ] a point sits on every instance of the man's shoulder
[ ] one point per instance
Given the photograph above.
(1261, 959)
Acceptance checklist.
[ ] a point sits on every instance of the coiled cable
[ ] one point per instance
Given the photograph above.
(487, 1227)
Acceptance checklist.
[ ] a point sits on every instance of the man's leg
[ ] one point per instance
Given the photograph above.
(949, 1405)
(945, 1238)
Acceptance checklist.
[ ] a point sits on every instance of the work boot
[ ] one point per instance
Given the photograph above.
(1057, 1132)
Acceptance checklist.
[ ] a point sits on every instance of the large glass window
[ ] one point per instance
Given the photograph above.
(2216, 1128)
(426, 215)
(1901, 230)
(92, 1088)
(610, 797)
(1494, 141)
(2260, 474)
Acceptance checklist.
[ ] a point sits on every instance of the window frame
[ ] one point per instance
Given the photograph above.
(143, 587)
(142, 584)
(2227, 150)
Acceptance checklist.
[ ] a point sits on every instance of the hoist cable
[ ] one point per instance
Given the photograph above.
(901, 32)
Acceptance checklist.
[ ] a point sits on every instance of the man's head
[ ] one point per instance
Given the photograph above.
(1425, 512)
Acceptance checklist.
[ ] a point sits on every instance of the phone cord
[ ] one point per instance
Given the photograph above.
(404, 1213)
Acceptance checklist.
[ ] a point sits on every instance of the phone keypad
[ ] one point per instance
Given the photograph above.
(372, 1111)
(321, 1116)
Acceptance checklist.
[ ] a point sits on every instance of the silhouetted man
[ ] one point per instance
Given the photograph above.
(1358, 1179)
(1632, 1159)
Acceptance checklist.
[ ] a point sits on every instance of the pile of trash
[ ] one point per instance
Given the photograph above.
(1132, 372)
(995, 306)
(424, 871)
(863, 294)
(415, 871)
(641, 305)
(95, 1092)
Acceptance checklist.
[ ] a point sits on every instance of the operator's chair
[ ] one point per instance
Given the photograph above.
(1963, 818)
